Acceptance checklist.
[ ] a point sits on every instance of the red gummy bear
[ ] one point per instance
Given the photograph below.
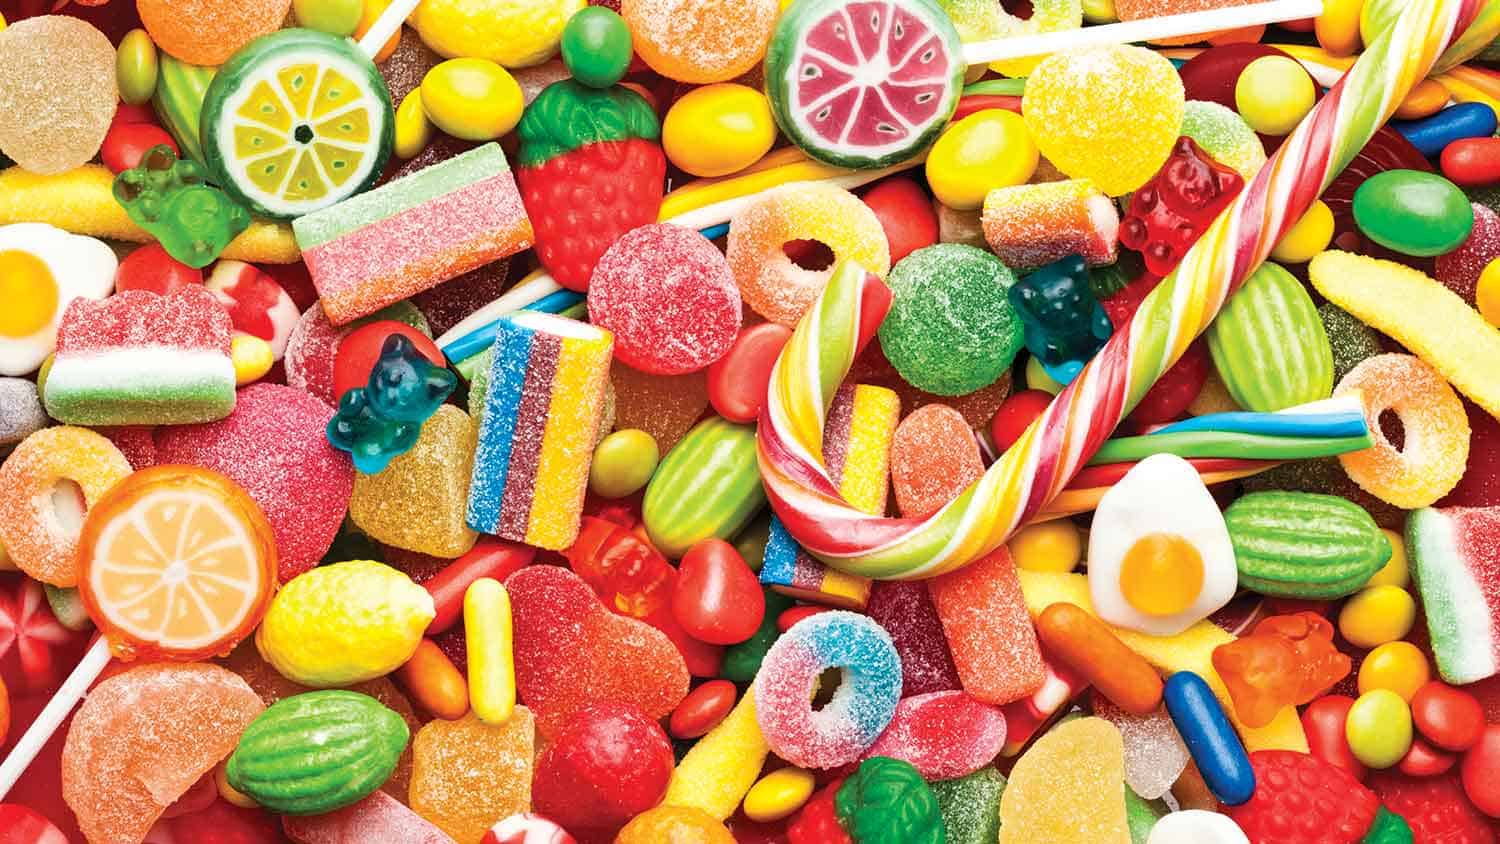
(633, 578)
(1434, 807)
(1170, 212)
(818, 822)
(1304, 799)
(1287, 660)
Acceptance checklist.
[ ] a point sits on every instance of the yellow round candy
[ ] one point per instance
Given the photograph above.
(988, 149)
(1273, 94)
(1053, 546)
(1400, 667)
(1487, 294)
(1395, 571)
(29, 291)
(778, 794)
(231, 795)
(1310, 235)
(514, 33)
(1379, 728)
(1038, 379)
(472, 99)
(1377, 615)
(623, 462)
(718, 129)
(1100, 11)
(252, 358)
(413, 129)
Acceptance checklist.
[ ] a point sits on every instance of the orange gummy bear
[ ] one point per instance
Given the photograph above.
(1287, 660)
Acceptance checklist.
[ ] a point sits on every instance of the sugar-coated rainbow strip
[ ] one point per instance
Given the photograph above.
(1043, 461)
(536, 438)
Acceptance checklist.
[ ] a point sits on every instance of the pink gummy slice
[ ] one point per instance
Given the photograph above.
(944, 735)
(379, 817)
(189, 318)
(984, 617)
(310, 353)
(571, 651)
(904, 609)
(274, 445)
(670, 298)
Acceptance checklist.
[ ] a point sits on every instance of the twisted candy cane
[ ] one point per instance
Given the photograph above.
(1047, 456)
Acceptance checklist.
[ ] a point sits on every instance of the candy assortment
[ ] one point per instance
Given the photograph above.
(816, 422)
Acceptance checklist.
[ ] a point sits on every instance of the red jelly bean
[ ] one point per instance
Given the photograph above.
(737, 381)
(702, 709)
(151, 268)
(490, 557)
(1472, 162)
(1450, 718)
(609, 763)
(1323, 720)
(359, 351)
(1481, 772)
(718, 598)
(1018, 411)
(905, 212)
(1424, 760)
(790, 617)
(126, 144)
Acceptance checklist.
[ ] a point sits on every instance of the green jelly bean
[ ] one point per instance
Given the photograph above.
(1414, 213)
(136, 67)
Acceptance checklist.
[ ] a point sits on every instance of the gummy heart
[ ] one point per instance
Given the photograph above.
(571, 651)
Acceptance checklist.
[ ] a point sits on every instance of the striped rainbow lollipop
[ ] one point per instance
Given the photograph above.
(1060, 442)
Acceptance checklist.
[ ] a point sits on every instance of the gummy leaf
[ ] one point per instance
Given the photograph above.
(887, 802)
(568, 115)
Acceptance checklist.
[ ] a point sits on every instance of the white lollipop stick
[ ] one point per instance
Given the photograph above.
(1171, 26)
(52, 716)
(386, 25)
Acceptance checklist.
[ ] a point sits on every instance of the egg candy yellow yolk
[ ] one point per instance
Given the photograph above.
(1161, 574)
(29, 292)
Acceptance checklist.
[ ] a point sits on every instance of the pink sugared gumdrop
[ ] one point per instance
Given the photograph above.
(1459, 270)
(610, 763)
(944, 735)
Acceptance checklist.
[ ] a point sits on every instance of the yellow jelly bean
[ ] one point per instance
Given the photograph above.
(1338, 27)
(492, 665)
(252, 358)
(623, 462)
(413, 129)
(2, 21)
(1273, 94)
(1310, 235)
(1378, 614)
(718, 129)
(1400, 667)
(778, 794)
(1379, 728)
(1395, 571)
(1047, 546)
(472, 99)
(1487, 294)
(988, 149)
(136, 67)
(1038, 379)
(231, 795)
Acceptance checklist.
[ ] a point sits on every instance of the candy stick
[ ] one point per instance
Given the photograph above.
(1052, 450)
(53, 714)
(386, 25)
(1148, 29)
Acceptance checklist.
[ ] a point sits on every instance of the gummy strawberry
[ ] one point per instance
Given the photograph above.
(1434, 807)
(590, 169)
(1301, 798)
(818, 822)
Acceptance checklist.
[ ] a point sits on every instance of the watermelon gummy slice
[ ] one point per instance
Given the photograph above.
(1455, 561)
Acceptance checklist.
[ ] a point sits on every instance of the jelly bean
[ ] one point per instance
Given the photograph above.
(1472, 162)
(718, 598)
(1337, 29)
(718, 129)
(252, 358)
(988, 149)
(231, 795)
(787, 620)
(1424, 760)
(906, 214)
(1210, 738)
(1307, 237)
(1378, 614)
(1487, 293)
(1395, 572)
(434, 683)
(472, 99)
(335, 17)
(150, 268)
(491, 652)
(1273, 94)
(737, 381)
(742, 661)
(1323, 721)
(126, 143)
(1081, 640)
(702, 709)
(1431, 134)
(1054, 546)
(595, 46)
(413, 129)
(1398, 666)
(1449, 718)
(490, 557)
(778, 794)
(1481, 771)
(623, 462)
(136, 67)
(1015, 414)
(1425, 100)
(1379, 728)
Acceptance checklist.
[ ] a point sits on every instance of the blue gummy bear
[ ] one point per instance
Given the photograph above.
(383, 419)
(1062, 322)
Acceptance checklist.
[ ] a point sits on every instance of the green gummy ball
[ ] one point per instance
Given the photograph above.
(950, 330)
(335, 17)
(596, 47)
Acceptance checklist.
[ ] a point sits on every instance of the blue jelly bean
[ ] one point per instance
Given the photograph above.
(1431, 134)
(1210, 738)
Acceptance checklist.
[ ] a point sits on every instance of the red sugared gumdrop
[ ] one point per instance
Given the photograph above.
(1459, 270)
(610, 763)
(668, 295)
(944, 735)
(1299, 797)
(571, 652)
(274, 446)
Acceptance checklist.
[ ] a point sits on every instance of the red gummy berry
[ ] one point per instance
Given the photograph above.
(609, 763)
(1301, 798)
(1434, 807)
(818, 822)
(1170, 396)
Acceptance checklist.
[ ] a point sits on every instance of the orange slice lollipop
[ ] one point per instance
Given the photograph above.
(176, 562)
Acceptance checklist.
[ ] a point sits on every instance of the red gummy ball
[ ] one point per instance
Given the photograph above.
(1018, 411)
(609, 763)
(905, 212)
(151, 268)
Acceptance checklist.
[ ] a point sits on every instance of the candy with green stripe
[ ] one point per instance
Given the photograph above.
(1269, 344)
(1304, 545)
(707, 486)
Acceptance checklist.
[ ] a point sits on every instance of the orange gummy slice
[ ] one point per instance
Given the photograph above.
(176, 562)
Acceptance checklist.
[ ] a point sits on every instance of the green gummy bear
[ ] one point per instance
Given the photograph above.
(1388, 828)
(742, 661)
(171, 200)
(887, 802)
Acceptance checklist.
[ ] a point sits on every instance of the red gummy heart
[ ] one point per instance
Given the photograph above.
(1302, 798)
(1434, 807)
(571, 651)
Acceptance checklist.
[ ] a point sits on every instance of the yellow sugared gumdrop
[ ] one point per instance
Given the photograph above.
(1068, 787)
